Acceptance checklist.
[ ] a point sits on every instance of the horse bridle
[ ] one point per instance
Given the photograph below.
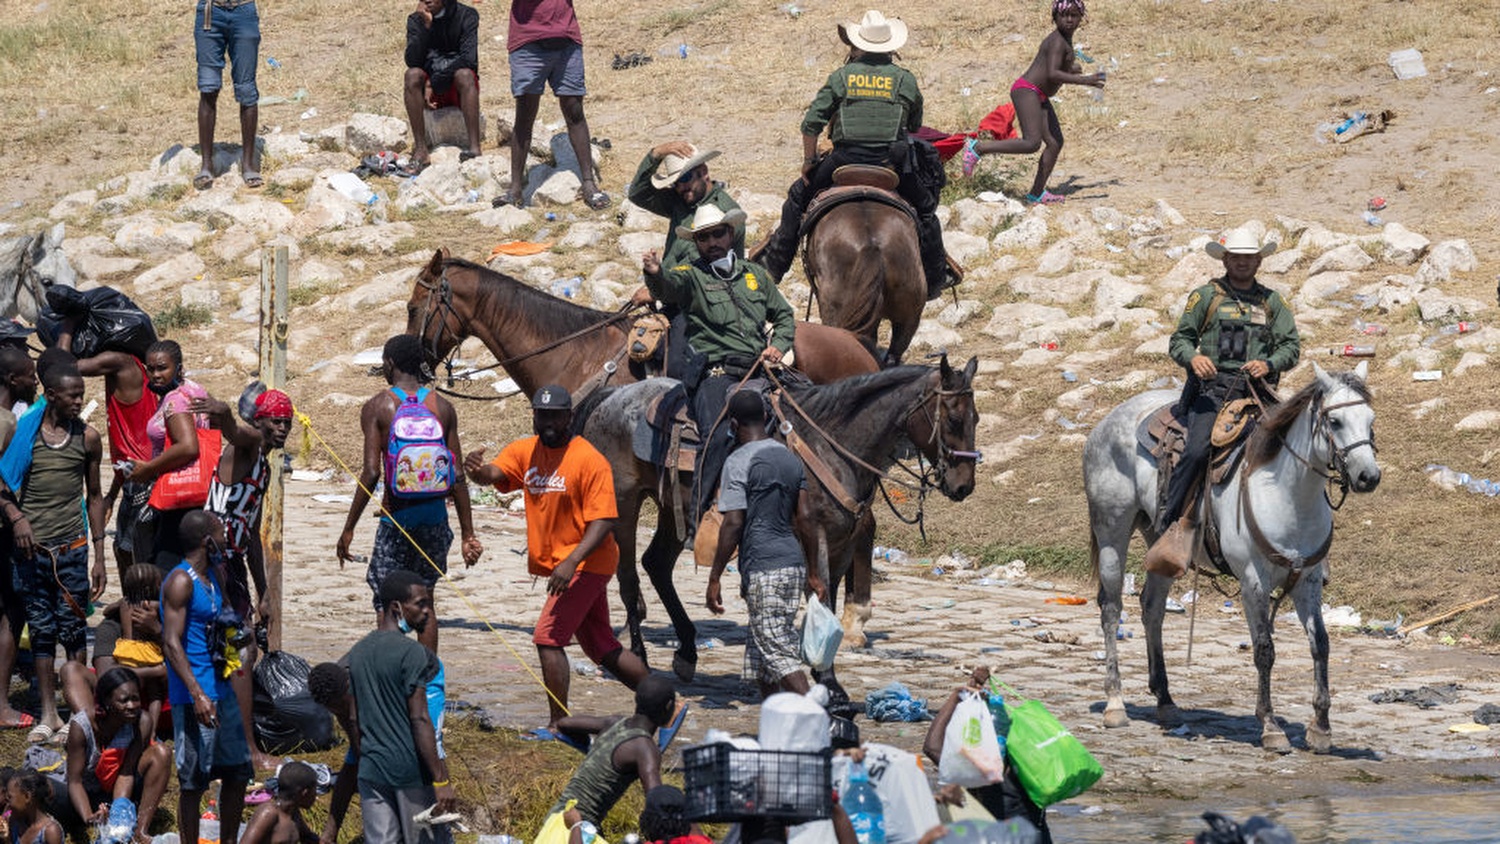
(1338, 458)
(443, 290)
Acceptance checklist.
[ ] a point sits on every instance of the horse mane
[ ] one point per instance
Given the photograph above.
(1270, 432)
(551, 310)
(842, 402)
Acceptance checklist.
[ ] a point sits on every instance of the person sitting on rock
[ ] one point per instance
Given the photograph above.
(442, 70)
(728, 301)
(869, 106)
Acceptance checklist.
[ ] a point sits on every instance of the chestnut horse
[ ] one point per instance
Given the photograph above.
(864, 263)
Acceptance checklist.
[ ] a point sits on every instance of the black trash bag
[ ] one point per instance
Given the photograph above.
(107, 321)
(287, 720)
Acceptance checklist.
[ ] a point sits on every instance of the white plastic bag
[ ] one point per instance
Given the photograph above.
(971, 753)
(821, 635)
(904, 794)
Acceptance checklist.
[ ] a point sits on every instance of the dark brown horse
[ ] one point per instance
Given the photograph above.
(541, 339)
(931, 406)
(864, 263)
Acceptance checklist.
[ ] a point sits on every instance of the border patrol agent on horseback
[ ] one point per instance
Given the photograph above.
(728, 301)
(1233, 332)
(869, 106)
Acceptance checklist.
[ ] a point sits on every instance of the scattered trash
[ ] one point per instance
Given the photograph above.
(1377, 203)
(507, 387)
(1371, 218)
(1352, 350)
(1130, 586)
(310, 475)
(272, 63)
(1468, 728)
(629, 60)
(1407, 64)
(1069, 376)
(352, 187)
(1427, 375)
(792, 9)
(1066, 600)
(518, 247)
(1188, 597)
(710, 643)
(682, 51)
(1183, 730)
(890, 555)
(1174, 606)
(1348, 125)
(1051, 637)
(1444, 616)
(1344, 616)
(1425, 697)
(310, 113)
(1050, 345)
(1459, 328)
(1227, 606)
(938, 605)
(566, 288)
(1372, 328)
(895, 703)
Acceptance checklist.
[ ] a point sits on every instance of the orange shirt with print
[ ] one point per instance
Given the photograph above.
(565, 489)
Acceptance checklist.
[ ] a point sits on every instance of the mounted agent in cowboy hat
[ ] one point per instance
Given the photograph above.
(870, 106)
(729, 302)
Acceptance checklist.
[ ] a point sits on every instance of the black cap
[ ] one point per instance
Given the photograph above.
(552, 397)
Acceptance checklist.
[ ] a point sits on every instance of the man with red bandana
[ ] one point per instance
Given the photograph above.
(235, 495)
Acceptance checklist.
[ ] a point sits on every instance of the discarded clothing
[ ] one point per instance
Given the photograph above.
(1426, 697)
(998, 125)
(895, 703)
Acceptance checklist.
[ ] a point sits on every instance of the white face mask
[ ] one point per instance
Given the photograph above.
(724, 265)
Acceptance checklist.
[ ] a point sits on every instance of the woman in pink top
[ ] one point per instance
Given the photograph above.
(173, 432)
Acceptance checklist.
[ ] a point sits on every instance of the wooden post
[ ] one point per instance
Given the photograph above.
(274, 266)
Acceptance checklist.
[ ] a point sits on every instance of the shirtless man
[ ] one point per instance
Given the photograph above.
(1053, 67)
(280, 821)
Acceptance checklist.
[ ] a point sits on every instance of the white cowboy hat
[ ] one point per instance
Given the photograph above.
(708, 216)
(875, 33)
(673, 166)
(1238, 242)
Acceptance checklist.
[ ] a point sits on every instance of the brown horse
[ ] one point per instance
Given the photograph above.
(541, 339)
(864, 263)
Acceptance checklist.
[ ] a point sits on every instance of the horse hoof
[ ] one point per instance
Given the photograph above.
(1319, 740)
(684, 668)
(1116, 718)
(1275, 741)
(1167, 715)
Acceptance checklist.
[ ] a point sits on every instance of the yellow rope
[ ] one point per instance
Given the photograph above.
(308, 429)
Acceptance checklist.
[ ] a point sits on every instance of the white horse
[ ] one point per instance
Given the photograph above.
(1274, 520)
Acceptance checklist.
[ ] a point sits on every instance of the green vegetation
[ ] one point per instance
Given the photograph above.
(180, 317)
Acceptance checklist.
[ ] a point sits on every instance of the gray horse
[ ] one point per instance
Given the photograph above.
(1274, 521)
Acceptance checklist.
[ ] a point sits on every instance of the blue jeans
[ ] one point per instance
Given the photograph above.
(40, 589)
(235, 33)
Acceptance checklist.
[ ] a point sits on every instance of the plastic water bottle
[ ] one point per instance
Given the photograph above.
(862, 805)
(1459, 328)
(1372, 218)
(1000, 717)
(208, 826)
(1352, 350)
(1374, 329)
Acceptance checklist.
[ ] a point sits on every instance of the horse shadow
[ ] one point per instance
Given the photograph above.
(1212, 724)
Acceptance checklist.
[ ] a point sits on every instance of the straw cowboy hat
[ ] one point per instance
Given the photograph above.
(1238, 242)
(672, 167)
(875, 33)
(710, 216)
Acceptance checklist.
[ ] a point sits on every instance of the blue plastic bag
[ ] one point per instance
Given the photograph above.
(821, 635)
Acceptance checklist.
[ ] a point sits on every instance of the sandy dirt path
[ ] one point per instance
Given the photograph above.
(927, 632)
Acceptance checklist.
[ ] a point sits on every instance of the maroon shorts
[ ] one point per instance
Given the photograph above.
(449, 98)
(582, 613)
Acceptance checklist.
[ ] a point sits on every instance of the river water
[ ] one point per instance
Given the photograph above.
(1467, 817)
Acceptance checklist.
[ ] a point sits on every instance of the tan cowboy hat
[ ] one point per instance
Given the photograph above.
(1238, 242)
(875, 33)
(673, 166)
(708, 216)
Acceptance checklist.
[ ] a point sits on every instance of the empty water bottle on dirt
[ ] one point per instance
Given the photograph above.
(1459, 328)
(862, 805)
(208, 825)
(1373, 329)
(1372, 218)
(1353, 350)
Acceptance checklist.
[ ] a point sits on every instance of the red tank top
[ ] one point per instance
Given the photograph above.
(127, 423)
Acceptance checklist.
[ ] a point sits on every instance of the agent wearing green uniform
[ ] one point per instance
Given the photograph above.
(673, 182)
(728, 301)
(869, 106)
(1234, 332)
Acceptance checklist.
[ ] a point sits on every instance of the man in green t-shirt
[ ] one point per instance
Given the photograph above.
(400, 770)
(1235, 336)
(870, 107)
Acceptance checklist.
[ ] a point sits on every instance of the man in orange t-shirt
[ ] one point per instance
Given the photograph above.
(570, 518)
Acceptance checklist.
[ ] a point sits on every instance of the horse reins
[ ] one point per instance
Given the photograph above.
(443, 289)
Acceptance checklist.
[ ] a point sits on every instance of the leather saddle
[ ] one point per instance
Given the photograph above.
(666, 435)
(856, 182)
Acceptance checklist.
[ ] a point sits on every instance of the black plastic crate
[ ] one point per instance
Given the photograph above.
(725, 783)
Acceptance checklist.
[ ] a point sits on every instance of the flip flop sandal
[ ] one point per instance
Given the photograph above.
(253, 180)
(24, 721)
(60, 736)
(40, 734)
(970, 156)
(203, 181)
(669, 732)
(598, 200)
(467, 155)
(505, 199)
(411, 169)
(544, 734)
(1047, 198)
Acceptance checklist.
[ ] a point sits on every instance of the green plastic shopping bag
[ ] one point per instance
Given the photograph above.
(1051, 764)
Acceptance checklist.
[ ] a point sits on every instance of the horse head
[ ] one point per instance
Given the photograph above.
(1344, 427)
(942, 427)
(431, 312)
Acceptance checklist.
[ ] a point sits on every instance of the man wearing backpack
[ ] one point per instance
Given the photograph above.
(410, 434)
